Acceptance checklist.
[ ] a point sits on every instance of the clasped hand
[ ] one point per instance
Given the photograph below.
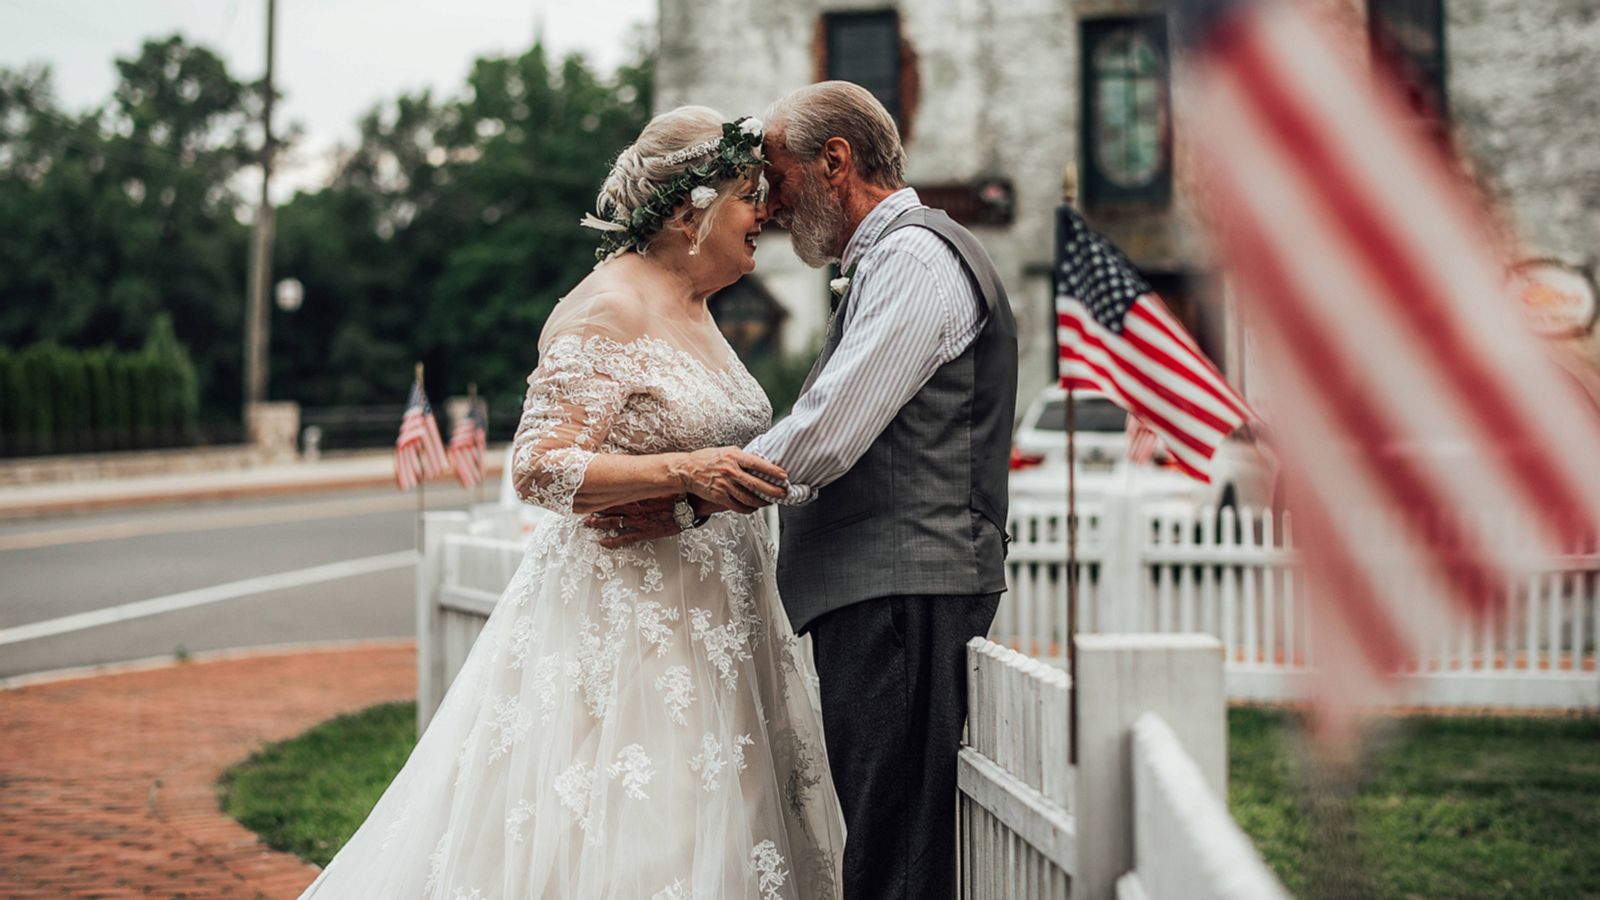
(717, 479)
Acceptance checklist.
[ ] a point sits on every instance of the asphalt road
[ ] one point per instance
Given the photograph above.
(133, 585)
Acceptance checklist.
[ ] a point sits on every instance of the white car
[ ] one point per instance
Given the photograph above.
(1241, 473)
(1041, 438)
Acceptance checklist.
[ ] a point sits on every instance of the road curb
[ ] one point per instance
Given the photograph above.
(42, 508)
(19, 510)
(168, 661)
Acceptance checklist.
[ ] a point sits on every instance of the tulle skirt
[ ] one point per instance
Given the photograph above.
(638, 724)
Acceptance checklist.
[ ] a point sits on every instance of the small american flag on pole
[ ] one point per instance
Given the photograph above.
(418, 451)
(1418, 409)
(467, 441)
(1143, 443)
(1116, 337)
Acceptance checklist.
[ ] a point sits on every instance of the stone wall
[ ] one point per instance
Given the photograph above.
(1524, 91)
(1524, 86)
(998, 96)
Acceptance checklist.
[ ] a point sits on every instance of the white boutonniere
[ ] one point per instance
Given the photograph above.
(751, 125)
(842, 283)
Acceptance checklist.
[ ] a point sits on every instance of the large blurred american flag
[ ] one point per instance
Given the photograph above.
(1417, 406)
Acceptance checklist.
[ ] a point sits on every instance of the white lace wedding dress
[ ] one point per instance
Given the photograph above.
(637, 723)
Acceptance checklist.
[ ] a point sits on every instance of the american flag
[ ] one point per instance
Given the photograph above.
(467, 441)
(1143, 444)
(1116, 337)
(1416, 403)
(418, 451)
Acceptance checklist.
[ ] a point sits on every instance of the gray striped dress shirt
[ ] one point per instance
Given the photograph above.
(912, 309)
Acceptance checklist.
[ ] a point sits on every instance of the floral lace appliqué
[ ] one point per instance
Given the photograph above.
(768, 865)
(635, 769)
(710, 761)
(519, 815)
(677, 689)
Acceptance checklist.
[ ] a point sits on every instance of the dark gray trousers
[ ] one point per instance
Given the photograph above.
(894, 700)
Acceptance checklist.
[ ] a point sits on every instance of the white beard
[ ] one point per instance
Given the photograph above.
(815, 225)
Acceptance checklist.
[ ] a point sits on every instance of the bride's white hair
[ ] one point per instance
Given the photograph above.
(649, 162)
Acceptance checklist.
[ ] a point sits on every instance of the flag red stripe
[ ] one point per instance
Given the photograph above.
(1413, 295)
(1191, 471)
(1184, 368)
(434, 460)
(1181, 441)
(1383, 645)
(1260, 268)
(1220, 388)
(1155, 418)
(1206, 417)
(1138, 374)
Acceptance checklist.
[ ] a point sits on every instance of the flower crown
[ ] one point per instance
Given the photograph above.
(732, 155)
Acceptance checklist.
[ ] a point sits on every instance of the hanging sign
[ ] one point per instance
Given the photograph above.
(1558, 300)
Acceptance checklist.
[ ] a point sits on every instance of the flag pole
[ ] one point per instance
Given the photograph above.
(1072, 576)
(422, 481)
(1069, 192)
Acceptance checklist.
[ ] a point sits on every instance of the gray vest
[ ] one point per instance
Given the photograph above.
(924, 509)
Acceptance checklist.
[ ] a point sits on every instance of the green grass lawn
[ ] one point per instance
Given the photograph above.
(1448, 808)
(308, 794)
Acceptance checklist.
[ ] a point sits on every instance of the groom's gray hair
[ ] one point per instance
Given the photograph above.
(809, 116)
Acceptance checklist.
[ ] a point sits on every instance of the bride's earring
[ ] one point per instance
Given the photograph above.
(694, 249)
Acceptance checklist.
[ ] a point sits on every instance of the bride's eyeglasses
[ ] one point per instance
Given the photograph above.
(758, 196)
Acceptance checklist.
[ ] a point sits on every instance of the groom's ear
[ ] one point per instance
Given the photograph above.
(838, 160)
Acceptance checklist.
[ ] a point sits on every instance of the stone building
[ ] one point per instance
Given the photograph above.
(996, 99)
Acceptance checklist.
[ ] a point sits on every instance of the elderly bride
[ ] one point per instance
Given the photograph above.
(633, 723)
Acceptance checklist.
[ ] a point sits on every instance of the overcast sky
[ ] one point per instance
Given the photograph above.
(335, 58)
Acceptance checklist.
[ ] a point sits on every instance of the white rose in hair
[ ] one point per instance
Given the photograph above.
(751, 125)
(702, 196)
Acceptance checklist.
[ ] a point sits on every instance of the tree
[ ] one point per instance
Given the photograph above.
(450, 232)
(446, 234)
(120, 214)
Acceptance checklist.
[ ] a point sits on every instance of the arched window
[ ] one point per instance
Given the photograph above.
(1127, 122)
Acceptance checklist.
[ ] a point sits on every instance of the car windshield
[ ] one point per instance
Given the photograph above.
(1092, 414)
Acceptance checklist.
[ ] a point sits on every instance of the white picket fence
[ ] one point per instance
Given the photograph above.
(1141, 815)
(1235, 576)
(1020, 803)
(467, 561)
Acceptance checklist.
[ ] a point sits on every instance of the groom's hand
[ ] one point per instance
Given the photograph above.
(731, 477)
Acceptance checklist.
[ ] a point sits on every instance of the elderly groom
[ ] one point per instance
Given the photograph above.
(893, 533)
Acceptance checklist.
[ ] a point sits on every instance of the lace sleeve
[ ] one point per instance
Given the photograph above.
(573, 396)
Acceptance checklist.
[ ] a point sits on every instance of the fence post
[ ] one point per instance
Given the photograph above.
(430, 621)
(1123, 676)
(1120, 593)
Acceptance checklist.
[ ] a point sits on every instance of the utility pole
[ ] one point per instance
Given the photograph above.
(257, 321)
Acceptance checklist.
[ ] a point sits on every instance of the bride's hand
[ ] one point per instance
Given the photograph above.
(633, 523)
(731, 477)
(645, 520)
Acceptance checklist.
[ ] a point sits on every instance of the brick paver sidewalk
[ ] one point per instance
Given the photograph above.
(108, 783)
